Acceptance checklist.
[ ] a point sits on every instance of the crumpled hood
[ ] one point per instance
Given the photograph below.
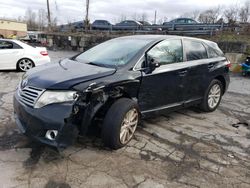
(65, 74)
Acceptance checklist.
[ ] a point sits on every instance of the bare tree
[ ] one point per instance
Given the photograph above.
(42, 19)
(193, 15)
(134, 16)
(30, 18)
(231, 14)
(144, 17)
(210, 15)
(244, 12)
(122, 17)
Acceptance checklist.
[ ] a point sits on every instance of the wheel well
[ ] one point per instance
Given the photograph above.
(103, 110)
(223, 81)
(22, 59)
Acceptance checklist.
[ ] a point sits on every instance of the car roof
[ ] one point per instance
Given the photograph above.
(101, 20)
(163, 37)
(8, 40)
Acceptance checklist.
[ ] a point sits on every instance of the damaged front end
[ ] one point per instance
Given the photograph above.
(54, 124)
(57, 123)
(56, 120)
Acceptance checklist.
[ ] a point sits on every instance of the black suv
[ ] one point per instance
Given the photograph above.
(117, 82)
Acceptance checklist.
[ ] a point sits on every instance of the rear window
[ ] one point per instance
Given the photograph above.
(195, 50)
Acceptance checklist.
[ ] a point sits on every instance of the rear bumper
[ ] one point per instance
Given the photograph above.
(34, 123)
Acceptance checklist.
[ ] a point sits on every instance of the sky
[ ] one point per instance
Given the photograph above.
(74, 10)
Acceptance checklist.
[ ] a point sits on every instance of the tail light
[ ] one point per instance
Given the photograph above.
(44, 53)
(228, 63)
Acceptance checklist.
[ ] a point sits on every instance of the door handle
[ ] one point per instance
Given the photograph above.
(210, 66)
(183, 72)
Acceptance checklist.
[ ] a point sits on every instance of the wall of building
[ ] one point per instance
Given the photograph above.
(8, 28)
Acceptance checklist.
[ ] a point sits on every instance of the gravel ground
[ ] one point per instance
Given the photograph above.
(186, 148)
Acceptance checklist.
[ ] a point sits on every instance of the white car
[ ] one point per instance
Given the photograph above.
(17, 55)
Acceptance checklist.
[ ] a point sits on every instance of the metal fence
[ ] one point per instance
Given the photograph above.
(169, 28)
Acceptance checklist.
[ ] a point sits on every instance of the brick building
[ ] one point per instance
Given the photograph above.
(8, 28)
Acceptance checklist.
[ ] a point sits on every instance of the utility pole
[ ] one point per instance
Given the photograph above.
(155, 17)
(49, 19)
(87, 16)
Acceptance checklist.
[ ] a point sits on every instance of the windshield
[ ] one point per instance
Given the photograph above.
(116, 52)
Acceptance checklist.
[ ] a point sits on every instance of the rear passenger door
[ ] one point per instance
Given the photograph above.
(197, 76)
(10, 53)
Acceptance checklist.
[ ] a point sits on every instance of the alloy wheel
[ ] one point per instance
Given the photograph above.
(25, 64)
(214, 96)
(129, 125)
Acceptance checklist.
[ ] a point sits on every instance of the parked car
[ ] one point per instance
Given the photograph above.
(181, 21)
(116, 83)
(15, 54)
(181, 24)
(128, 25)
(146, 25)
(101, 25)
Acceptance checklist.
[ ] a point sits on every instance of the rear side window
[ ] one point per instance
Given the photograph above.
(212, 52)
(195, 50)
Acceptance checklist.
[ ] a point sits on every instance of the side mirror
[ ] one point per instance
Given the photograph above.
(153, 64)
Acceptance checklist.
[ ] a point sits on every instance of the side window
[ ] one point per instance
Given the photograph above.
(6, 45)
(181, 21)
(211, 52)
(195, 50)
(16, 46)
(168, 51)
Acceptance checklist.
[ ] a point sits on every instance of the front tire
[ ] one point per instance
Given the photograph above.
(24, 64)
(212, 96)
(120, 123)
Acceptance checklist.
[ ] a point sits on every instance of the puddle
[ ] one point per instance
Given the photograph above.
(43, 152)
(9, 141)
(53, 184)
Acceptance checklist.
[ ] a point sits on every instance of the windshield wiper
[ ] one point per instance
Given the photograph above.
(99, 64)
(92, 63)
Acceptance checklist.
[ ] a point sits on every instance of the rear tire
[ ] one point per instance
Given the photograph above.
(25, 64)
(212, 97)
(120, 123)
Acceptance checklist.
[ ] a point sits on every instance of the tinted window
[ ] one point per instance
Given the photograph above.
(181, 21)
(191, 21)
(132, 23)
(6, 45)
(212, 52)
(194, 50)
(168, 51)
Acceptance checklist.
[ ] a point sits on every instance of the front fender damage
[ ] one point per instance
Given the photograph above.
(85, 109)
(92, 100)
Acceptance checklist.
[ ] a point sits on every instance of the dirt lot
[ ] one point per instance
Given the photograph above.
(187, 148)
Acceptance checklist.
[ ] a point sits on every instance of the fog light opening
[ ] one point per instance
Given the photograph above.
(51, 134)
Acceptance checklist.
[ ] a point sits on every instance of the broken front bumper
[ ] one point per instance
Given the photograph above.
(36, 122)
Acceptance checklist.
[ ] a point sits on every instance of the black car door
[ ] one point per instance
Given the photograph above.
(162, 87)
(197, 75)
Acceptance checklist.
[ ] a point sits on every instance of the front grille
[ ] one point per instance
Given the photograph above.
(29, 95)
